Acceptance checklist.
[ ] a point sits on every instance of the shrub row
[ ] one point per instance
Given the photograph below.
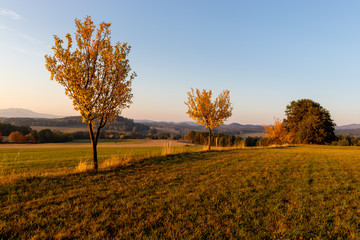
(345, 140)
(43, 136)
(217, 139)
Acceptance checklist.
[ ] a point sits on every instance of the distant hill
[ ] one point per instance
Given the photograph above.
(348, 126)
(183, 128)
(349, 132)
(24, 113)
(73, 124)
(349, 129)
(20, 116)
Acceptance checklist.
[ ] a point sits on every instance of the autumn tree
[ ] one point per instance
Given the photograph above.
(96, 75)
(30, 138)
(16, 137)
(277, 134)
(206, 112)
(309, 122)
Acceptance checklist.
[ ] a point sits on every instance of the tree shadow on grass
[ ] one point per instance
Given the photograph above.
(143, 164)
(272, 147)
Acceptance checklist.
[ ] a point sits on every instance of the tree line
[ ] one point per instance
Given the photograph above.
(217, 139)
(25, 134)
(7, 128)
(224, 140)
(42, 136)
(121, 124)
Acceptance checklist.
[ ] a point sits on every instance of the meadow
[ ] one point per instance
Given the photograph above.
(298, 192)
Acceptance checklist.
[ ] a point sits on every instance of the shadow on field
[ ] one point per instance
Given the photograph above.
(142, 165)
(135, 167)
(269, 148)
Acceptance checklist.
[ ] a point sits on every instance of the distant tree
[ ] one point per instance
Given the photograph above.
(206, 112)
(277, 134)
(345, 140)
(46, 136)
(7, 128)
(251, 141)
(34, 135)
(219, 139)
(95, 75)
(1, 138)
(190, 135)
(309, 122)
(30, 138)
(80, 135)
(152, 131)
(16, 137)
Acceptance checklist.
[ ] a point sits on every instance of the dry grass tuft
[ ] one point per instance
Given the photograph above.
(225, 148)
(168, 149)
(115, 161)
(8, 177)
(83, 166)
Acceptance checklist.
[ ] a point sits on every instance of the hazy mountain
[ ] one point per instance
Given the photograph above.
(184, 127)
(161, 126)
(151, 122)
(24, 113)
(189, 123)
(348, 126)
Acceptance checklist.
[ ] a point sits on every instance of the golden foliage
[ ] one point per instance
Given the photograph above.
(277, 134)
(95, 74)
(206, 112)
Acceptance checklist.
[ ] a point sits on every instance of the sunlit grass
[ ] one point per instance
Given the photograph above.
(21, 163)
(252, 193)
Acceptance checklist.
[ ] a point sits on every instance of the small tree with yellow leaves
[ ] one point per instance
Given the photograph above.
(277, 134)
(96, 75)
(206, 112)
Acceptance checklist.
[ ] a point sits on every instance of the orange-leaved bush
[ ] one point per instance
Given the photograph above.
(16, 137)
(277, 134)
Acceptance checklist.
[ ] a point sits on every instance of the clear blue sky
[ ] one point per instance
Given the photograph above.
(267, 53)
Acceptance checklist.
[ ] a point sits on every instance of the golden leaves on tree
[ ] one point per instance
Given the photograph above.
(277, 134)
(96, 75)
(206, 112)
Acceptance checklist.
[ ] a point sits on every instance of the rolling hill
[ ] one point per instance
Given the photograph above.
(24, 113)
(20, 116)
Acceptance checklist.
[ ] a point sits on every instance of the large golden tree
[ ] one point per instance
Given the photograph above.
(96, 75)
(206, 112)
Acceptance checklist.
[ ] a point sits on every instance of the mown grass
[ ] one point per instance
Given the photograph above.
(104, 141)
(282, 193)
(20, 163)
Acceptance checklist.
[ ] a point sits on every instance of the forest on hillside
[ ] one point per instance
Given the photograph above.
(120, 125)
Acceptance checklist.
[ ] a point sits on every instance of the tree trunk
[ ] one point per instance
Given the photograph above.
(94, 145)
(209, 139)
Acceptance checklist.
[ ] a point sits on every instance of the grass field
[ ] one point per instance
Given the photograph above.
(279, 193)
(33, 160)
